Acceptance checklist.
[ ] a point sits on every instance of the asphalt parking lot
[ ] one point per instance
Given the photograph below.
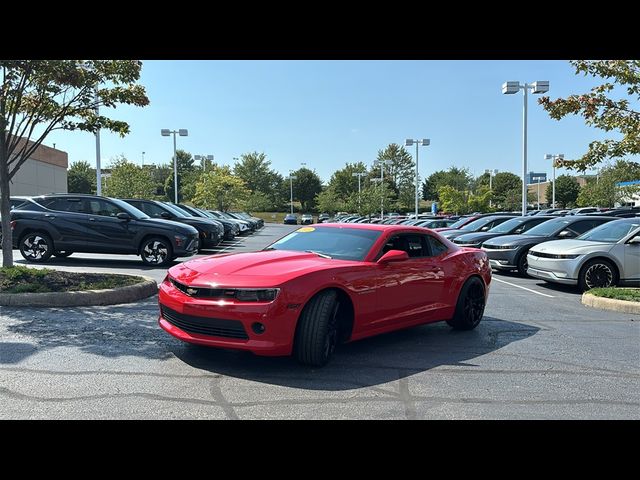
(538, 353)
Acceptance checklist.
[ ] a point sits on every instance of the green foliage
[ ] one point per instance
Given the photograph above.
(480, 201)
(329, 201)
(628, 294)
(603, 192)
(258, 202)
(400, 172)
(218, 189)
(129, 180)
(255, 170)
(370, 201)
(507, 190)
(452, 200)
(305, 188)
(41, 96)
(567, 191)
(343, 183)
(457, 178)
(81, 178)
(601, 110)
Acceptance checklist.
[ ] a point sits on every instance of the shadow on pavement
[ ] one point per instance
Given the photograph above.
(368, 362)
(13, 352)
(558, 287)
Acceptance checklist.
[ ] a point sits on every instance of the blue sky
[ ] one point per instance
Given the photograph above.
(327, 113)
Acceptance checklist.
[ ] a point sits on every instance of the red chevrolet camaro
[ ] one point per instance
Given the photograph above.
(325, 284)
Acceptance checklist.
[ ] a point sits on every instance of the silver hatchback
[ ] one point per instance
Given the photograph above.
(606, 256)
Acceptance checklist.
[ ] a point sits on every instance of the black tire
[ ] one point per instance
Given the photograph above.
(317, 332)
(36, 247)
(63, 254)
(470, 305)
(522, 264)
(156, 252)
(597, 273)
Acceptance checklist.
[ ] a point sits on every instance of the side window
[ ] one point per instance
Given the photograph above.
(530, 225)
(102, 208)
(62, 204)
(411, 243)
(150, 209)
(435, 246)
(581, 227)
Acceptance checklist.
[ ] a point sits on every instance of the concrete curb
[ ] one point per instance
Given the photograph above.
(604, 303)
(111, 296)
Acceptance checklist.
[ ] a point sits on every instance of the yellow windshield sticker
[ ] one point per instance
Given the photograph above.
(306, 229)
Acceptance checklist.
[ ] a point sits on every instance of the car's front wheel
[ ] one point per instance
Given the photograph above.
(156, 252)
(597, 273)
(36, 247)
(470, 305)
(523, 264)
(317, 332)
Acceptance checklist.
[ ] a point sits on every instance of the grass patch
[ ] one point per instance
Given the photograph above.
(19, 279)
(628, 294)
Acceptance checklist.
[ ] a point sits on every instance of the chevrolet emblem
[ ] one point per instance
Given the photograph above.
(192, 291)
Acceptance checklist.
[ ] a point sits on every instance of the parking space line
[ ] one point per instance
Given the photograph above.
(232, 245)
(523, 288)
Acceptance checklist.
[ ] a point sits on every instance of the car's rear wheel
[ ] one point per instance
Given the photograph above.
(470, 305)
(36, 247)
(156, 252)
(317, 332)
(597, 273)
(62, 254)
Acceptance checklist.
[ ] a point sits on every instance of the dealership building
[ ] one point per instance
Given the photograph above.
(44, 172)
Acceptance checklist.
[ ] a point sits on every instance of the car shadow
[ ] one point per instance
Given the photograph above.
(557, 287)
(369, 362)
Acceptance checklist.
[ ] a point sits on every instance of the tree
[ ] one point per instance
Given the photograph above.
(567, 190)
(458, 178)
(343, 183)
(479, 202)
(258, 202)
(452, 200)
(601, 111)
(218, 189)
(129, 180)
(254, 169)
(305, 188)
(41, 96)
(505, 186)
(603, 191)
(329, 201)
(81, 178)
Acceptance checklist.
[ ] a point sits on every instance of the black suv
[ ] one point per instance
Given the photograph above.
(231, 229)
(210, 231)
(62, 224)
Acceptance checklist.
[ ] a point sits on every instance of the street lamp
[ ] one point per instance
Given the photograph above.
(165, 132)
(491, 173)
(143, 159)
(89, 67)
(203, 159)
(382, 163)
(291, 179)
(555, 158)
(407, 143)
(359, 175)
(509, 88)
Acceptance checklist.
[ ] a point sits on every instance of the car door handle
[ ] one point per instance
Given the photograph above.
(91, 219)
(48, 215)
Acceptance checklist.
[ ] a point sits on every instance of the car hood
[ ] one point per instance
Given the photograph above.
(169, 224)
(515, 240)
(253, 269)
(572, 246)
(476, 237)
(203, 223)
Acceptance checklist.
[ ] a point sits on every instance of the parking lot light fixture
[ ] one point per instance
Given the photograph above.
(382, 163)
(424, 142)
(291, 179)
(203, 159)
(491, 173)
(359, 175)
(509, 88)
(555, 159)
(165, 132)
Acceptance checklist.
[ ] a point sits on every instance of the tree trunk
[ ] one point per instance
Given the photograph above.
(7, 252)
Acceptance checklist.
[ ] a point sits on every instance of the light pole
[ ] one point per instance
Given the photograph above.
(538, 178)
(291, 179)
(359, 175)
(203, 159)
(555, 158)
(424, 142)
(382, 163)
(143, 159)
(165, 132)
(508, 88)
(491, 175)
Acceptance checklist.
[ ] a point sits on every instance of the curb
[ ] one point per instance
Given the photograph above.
(85, 298)
(604, 303)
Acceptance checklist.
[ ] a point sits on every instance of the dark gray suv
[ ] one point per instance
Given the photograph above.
(62, 224)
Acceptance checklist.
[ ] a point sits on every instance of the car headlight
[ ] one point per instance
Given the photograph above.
(261, 295)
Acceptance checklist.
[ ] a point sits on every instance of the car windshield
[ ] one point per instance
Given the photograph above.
(478, 224)
(130, 209)
(176, 211)
(509, 225)
(459, 223)
(611, 232)
(340, 243)
(549, 228)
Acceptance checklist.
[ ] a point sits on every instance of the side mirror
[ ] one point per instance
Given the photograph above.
(165, 215)
(123, 216)
(393, 256)
(565, 234)
(635, 240)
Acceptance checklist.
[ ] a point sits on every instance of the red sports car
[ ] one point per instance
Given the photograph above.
(325, 284)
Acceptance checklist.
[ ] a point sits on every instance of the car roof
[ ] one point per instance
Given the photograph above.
(372, 226)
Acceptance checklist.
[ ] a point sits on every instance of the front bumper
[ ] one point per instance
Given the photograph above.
(563, 271)
(209, 239)
(191, 248)
(501, 259)
(230, 323)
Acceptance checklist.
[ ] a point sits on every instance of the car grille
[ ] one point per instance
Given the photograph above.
(204, 325)
(497, 247)
(204, 292)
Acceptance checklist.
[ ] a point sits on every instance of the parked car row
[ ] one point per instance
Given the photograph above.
(61, 224)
